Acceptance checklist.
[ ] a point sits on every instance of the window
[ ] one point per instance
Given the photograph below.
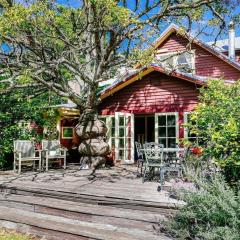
(167, 129)
(110, 124)
(191, 137)
(67, 132)
(183, 61)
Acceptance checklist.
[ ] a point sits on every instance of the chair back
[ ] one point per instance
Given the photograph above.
(153, 152)
(53, 147)
(138, 147)
(26, 147)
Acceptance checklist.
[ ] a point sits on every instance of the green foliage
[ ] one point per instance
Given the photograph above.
(17, 111)
(210, 213)
(216, 120)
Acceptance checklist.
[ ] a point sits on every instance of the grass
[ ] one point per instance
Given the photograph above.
(12, 235)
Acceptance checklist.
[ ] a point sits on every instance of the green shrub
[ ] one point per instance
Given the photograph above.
(216, 121)
(212, 212)
(15, 107)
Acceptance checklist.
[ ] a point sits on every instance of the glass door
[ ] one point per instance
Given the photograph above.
(124, 137)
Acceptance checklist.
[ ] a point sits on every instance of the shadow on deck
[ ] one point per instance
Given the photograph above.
(113, 205)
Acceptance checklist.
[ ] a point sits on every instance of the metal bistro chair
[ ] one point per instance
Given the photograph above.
(172, 162)
(25, 154)
(140, 156)
(53, 150)
(154, 158)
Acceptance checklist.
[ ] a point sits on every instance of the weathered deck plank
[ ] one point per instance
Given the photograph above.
(81, 228)
(113, 205)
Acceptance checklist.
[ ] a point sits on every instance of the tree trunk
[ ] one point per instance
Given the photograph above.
(92, 132)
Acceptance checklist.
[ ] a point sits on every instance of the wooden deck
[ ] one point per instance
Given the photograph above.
(71, 205)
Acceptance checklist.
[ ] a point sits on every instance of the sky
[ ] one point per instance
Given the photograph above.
(210, 34)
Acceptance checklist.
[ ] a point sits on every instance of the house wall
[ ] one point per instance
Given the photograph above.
(153, 93)
(206, 63)
(69, 143)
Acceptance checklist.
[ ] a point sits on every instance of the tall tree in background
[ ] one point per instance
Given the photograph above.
(49, 46)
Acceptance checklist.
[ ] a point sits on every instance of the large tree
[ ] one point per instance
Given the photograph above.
(46, 45)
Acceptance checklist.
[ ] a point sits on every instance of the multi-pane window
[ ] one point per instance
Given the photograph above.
(167, 129)
(124, 137)
(190, 136)
(183, 61)
(110, 124)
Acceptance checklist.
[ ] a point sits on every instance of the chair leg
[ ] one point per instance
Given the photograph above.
(34, 165)
(40, 165)
(19, 166)
(162, 173)
(46, 163)
(144, 174)
(64, 164)
(141, 168)
(14, 165)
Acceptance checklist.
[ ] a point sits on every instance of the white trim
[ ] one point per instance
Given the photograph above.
(176, 54)
(117, 142)
(67, 137)
(176, 114)
(58, 128)
(185, 120)
(109, 125)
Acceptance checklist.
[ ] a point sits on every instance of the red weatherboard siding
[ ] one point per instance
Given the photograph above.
(206, 63)
(153, 93)
(69, 143)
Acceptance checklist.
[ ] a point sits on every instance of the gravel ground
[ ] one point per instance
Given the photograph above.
(12, 235)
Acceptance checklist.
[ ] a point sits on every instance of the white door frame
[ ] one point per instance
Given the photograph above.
(117, 142)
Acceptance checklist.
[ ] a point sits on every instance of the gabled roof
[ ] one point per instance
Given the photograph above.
(174, 28)
(118, 85)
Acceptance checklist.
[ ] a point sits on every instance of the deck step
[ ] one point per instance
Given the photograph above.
(160, 207)
(84, 208)
(72, 227)
(74, 213)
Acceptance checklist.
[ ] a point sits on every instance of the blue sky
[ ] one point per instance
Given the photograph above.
(210, 34)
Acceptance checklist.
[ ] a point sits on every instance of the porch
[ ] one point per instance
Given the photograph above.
(113, 205)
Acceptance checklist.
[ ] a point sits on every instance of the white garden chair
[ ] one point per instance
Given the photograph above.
(52, 151)
(154, 158)
(25, 154)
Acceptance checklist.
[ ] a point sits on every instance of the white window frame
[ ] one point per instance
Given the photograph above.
(176, 54)
(109, 130)
(67, 137)
(176, 114)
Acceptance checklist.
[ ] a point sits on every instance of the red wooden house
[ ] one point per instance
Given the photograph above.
(152, 104)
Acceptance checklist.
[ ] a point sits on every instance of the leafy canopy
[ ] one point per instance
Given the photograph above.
(51, 46)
